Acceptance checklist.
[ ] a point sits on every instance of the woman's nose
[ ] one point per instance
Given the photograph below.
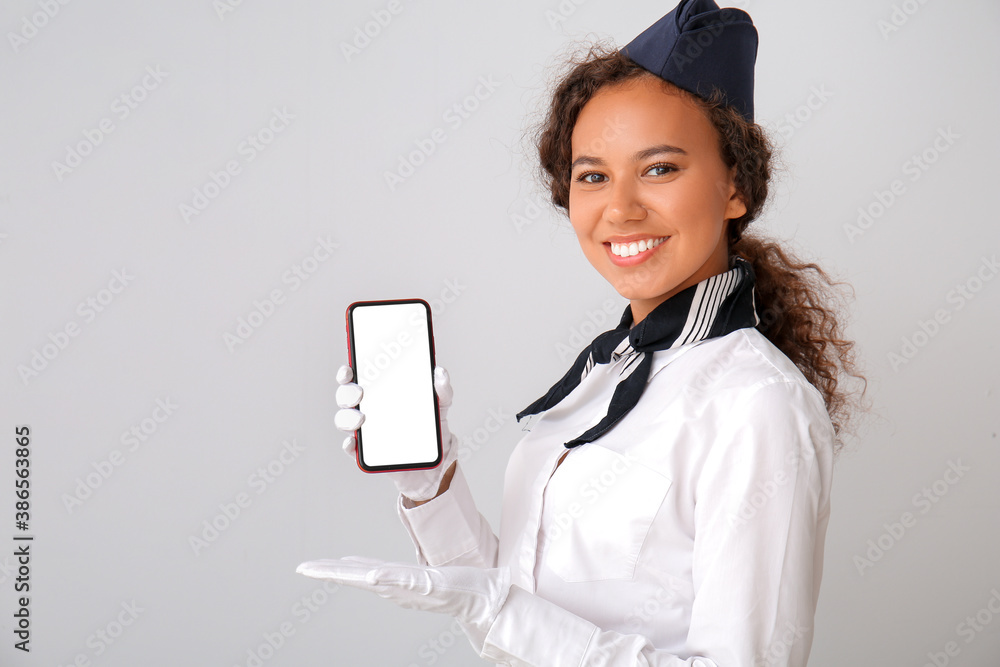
(623, 203)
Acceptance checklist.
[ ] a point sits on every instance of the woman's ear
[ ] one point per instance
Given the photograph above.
(735, 205)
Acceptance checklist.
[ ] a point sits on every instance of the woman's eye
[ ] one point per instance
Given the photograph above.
(661, 169)
(590, 177)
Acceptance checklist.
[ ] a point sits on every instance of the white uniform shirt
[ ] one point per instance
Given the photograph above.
(691, 533)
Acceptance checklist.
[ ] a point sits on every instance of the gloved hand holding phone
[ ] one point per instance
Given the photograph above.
(416, 485)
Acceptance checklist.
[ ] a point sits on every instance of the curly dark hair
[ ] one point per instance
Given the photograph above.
(796, 298)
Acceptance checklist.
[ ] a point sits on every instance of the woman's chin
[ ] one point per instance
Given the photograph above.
(636, 292)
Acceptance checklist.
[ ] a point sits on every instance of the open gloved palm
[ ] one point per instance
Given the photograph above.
(472, 595)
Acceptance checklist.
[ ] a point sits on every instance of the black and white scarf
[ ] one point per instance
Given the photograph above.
(714, 307)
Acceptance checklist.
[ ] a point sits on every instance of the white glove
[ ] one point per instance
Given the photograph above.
(417, 485)
(472, 595)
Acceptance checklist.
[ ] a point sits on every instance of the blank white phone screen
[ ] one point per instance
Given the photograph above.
(394, 368)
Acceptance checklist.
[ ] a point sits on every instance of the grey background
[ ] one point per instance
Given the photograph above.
(511, 292)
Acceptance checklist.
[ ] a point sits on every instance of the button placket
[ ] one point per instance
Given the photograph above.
(529, 541)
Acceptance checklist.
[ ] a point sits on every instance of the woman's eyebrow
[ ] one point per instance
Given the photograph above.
(644, 154)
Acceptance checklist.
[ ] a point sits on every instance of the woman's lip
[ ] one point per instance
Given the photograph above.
(633, 259)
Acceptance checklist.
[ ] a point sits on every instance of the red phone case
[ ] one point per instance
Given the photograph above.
(437, 408)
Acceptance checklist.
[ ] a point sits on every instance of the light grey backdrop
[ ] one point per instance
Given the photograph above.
(193, 192)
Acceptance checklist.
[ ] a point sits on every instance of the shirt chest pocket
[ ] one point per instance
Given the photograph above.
(598, 508)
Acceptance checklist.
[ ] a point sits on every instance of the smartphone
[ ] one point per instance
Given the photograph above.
(391, 350)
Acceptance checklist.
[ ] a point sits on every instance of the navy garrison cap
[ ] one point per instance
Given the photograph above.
(699, 47)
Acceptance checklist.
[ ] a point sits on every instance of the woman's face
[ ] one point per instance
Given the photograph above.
(649, 194)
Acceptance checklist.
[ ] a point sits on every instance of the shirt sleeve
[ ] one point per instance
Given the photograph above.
(761, 511)
(449, 530)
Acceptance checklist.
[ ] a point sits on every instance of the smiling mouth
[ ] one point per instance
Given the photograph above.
(634, 248)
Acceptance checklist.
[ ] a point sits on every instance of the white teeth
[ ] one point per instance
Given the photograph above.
(627, 250)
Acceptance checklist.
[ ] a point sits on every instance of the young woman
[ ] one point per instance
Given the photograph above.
(670, 502)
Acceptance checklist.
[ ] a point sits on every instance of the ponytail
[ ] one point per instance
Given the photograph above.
(795, 306)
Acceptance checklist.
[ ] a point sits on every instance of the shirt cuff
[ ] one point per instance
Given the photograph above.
(530, 630)
(446, 528)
